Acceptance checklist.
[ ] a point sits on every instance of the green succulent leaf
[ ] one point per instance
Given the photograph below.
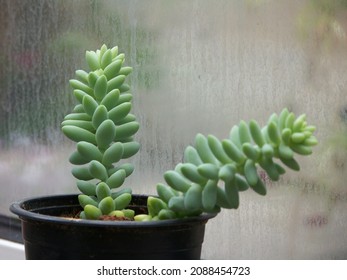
(105, 133)
(89, 151)
(130, 149)
(84, 200)
(89, 105)
(102, 190)
(106, 205)
(86, 125)
(78, 116)
(155, 205)
(82, 76)
(116, 179)
(127, 167)
(92, 212)
(126, 130)
(114, 153)
(77, 159)
(81, 173)
(76, 84)
(165, 192)
(126, 70)
(99, 116)
(119, 112)
(98, 170)
(92, 60)
(116, 82)
(111, 99)
(100, 87)
(78, 134)
(87, 188)
(122, 201)
(129, 213)
(113, 68)
(124, 97)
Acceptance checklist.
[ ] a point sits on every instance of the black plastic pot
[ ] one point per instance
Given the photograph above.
(47, 235)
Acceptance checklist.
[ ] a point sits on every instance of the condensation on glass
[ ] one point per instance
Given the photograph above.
(199, 66)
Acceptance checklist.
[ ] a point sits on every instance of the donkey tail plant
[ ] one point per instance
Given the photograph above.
(103, 128)
(213, 171)
(193, 187)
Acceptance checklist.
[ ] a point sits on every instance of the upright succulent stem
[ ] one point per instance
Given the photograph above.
(103, 128)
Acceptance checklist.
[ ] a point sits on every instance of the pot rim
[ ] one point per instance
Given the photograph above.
(17, 208)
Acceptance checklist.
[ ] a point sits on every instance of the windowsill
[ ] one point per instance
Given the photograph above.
(11, 250)
(11, 242)
(10, 229)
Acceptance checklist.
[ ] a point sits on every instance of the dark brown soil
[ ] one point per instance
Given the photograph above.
(112, 218)
(102, 218)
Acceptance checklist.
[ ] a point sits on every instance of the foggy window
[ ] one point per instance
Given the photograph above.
(199, 67)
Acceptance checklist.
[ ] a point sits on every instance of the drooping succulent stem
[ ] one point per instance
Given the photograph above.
(103, 128)
(194, 186)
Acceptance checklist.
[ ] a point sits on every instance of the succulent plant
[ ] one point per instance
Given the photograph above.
(193, 187)
(103, 128)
